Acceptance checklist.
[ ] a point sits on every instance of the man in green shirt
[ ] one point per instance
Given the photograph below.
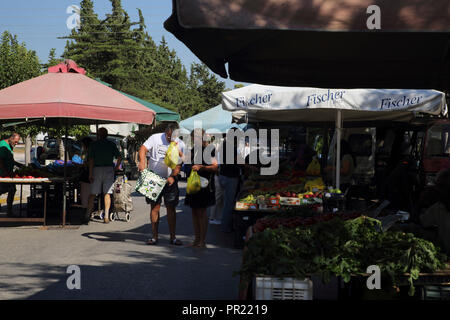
(7, 164)
(101, 170)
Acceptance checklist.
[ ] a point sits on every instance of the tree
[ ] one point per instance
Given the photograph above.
(206, 84)
(17, 63)
(84, 44)
(123, 54)
(52, 60)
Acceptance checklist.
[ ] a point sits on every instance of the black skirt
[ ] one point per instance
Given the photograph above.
(206, 197)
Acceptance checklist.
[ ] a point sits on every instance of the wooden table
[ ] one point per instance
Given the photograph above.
(45, 183)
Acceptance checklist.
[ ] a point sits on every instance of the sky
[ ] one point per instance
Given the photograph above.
(39, 23)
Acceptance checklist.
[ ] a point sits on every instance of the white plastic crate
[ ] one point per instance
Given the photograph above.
(436, 292)
(271, 288)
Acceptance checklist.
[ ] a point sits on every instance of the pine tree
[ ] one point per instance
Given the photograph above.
(123, 54)
(84, 45)
(52, 60)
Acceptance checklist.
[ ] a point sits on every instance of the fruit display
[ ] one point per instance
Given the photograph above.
(28, 172)
(286, 198)
(289, 188)
(313, 168)
(315, 185)
(248, 199)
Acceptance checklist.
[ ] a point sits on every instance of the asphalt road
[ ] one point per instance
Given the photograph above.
(115, 262)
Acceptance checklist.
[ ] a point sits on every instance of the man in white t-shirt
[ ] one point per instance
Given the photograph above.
(156, 146)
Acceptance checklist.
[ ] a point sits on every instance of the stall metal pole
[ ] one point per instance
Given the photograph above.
(338, 147)
(65, 176)
(99, 202)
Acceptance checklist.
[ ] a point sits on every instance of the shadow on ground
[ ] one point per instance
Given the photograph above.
(151, 275)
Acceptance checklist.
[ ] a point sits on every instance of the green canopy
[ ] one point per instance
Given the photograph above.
(162, 114)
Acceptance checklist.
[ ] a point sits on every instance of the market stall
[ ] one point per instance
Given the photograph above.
(301, 200)
(315, 107)
(65, 96)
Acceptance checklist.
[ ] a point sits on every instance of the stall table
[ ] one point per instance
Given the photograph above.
(45, 183)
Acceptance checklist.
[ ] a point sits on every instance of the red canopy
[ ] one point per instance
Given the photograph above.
(65, 92)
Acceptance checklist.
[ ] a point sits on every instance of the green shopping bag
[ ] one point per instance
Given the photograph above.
(172, 156)
(150, 184)
(193, 183)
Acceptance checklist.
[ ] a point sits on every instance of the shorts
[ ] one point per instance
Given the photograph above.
(171, 195)
(7, 188)
(103, 176)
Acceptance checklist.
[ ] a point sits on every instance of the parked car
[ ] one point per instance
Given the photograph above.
(51, 148)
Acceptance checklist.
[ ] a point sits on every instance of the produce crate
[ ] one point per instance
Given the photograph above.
(274, 201)
(273, 288)
(246, 206)
(290, 201)
(333, 203)
(54, 192)
(436, 292)
(35, 208)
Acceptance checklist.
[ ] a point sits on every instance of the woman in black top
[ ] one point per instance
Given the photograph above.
(206, 196)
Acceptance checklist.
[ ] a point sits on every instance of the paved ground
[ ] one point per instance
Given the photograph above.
(115, 263)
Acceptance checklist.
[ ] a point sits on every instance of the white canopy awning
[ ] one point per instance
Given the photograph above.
(293, 104)
(314, 105)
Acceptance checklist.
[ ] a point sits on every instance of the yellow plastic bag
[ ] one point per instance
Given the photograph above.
(315, 185)
(313, 168)
(172, 156)
(193, 183)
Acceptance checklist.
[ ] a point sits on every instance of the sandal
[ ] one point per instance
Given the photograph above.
(176, 242)
(152, 242)
(192, 244)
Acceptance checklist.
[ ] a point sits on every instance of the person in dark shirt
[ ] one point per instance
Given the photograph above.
(101, 170)
(229, 174)
(399, 187)
(303, 155)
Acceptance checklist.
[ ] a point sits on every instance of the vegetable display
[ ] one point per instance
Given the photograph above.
(340, 247)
